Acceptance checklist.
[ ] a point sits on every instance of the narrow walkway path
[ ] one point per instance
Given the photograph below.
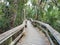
(33, 36)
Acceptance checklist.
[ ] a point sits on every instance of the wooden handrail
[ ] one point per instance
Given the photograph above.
(13, 42)
(55, 33)
(46, 32)
(8, 34)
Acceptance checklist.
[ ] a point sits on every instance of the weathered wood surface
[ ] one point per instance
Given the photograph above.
(55, 33)
(33, 36)
(14, 42)
(8, 34)
(46, 32)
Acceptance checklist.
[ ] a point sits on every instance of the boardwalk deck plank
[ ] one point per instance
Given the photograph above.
(33, 36)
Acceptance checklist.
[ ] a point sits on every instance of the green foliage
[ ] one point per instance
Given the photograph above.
(7, 13)
(5, 18)
(46, 11)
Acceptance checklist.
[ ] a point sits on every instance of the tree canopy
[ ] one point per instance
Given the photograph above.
(12, 12)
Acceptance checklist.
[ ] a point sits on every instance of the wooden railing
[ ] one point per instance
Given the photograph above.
(55, 34)
(6, 38)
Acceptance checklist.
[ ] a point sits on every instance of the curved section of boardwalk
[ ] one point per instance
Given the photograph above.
(33, 36)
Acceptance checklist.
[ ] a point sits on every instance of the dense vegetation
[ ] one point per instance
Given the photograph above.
(12, 12)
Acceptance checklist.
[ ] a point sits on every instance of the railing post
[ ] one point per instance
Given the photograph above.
(24, 14)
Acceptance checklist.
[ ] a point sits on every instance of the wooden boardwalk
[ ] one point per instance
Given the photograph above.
(33, 36)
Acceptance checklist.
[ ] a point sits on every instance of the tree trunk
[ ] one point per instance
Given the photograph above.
(15, 6)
